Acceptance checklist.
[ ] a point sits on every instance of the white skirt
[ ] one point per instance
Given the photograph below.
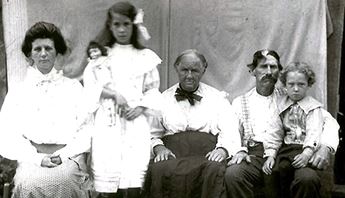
(120, 153)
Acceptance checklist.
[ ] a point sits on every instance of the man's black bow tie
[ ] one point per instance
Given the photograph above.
(180, 94)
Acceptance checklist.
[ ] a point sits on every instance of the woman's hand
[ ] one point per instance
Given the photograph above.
(217, 155)
(162, 153)
(47, 162)
(56, 160)
(268, 165)
(133, 113)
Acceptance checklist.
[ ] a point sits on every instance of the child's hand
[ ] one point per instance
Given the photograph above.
(109, 93)
(268, 165)
(133, 113)
(120, 100)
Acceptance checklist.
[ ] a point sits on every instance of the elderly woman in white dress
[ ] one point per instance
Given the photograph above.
(195, 136)
(43, 122)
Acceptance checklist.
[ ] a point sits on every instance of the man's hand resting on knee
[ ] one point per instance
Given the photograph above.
(321, 157)
(239, 157)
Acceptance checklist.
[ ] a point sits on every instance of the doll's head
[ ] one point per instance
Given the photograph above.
(95, 50)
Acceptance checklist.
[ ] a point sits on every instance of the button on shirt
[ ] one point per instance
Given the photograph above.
(212, 114)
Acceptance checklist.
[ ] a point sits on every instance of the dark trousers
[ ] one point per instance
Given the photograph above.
(240, 179)
(243, 179)
(301, 182)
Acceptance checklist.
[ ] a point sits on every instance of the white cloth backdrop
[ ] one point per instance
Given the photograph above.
(228, 32)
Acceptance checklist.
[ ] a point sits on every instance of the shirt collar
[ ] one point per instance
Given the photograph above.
(200, 90)
(257, 95)
(36, 76)
(307, 104)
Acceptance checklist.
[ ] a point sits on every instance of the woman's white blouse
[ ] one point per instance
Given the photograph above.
(45, 109)
(213, 114)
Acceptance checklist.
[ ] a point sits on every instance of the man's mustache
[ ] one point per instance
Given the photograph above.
(268, 77)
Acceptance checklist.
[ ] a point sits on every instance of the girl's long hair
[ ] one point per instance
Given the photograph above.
(106, 38)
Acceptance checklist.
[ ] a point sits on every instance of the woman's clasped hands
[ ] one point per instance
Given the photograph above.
(51, 161)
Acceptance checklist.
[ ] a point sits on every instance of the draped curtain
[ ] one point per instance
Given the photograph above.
(227, 32)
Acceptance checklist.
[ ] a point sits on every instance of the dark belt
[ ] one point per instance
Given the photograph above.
(257, 150)
(47, 148)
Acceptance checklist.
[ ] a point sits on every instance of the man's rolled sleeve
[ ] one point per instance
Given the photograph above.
(273, 138)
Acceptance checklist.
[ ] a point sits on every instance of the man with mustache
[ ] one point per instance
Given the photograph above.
(256, 111)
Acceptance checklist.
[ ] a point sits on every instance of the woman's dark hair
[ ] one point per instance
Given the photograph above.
(261, 54)
(127, 9)
(191, 51)
(42, 30)
(299, 67)
(93, 45)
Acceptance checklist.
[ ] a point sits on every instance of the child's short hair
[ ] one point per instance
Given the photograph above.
(299, 67)
(94, 44)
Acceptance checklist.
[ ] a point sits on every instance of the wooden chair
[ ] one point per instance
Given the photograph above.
(7, 172)
(6, 193)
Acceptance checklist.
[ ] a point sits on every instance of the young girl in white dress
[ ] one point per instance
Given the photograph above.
(121, 152)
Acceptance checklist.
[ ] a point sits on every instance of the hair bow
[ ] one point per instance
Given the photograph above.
(139, 20)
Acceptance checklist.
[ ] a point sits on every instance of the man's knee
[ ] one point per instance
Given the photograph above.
(284, 165)
(234, 173)
(306, 176)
